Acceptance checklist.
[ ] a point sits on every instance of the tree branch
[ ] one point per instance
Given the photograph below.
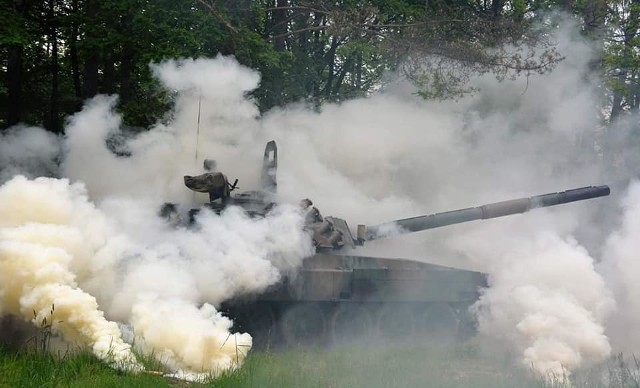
(216, 14)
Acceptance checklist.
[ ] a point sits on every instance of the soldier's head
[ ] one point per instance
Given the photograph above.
(209, 164)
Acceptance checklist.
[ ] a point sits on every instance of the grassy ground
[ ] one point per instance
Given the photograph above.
(399, 366)
(395, 366)
(78, 370)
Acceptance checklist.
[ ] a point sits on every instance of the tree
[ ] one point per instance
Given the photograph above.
(451, 42)
(341, 49)
(13, 38)
(59, 52)
(622, 60)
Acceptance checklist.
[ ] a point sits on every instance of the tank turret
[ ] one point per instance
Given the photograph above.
(333, 233)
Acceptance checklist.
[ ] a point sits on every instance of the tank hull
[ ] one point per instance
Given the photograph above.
(338, 299)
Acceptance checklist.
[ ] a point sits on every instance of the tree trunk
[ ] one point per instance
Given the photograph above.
(595, 12)
(346, 68)
(53, 119)
(635, 90)
(497, 7)
(14, 85)
(90, 84)
(280, 25)
(108, 75)
(127, 59)
(73, 53)
(616, 105)
(14, 74)
(358, 70)
(127, 66)
(331, 63)
(92, 60)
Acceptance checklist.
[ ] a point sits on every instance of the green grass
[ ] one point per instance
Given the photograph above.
(37, 369)
(396, 366)
(365, 366)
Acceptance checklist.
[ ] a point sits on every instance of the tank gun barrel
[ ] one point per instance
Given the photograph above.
(492, 210)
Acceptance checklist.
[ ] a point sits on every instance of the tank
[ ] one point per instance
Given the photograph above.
(336, 296)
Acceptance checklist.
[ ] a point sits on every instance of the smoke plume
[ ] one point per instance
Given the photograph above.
(621, 268)
(28, 151)
(40, 237)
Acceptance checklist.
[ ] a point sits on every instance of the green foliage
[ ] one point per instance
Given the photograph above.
(518, 8)
(310, 51)
(620, 57)
(12, 29)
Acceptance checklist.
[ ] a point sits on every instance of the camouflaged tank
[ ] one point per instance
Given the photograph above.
(336, 296)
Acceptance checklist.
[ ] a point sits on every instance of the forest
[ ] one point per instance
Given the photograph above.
(54, 54)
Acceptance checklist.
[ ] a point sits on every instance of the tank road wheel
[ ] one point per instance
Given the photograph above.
(439, 323)
(351, 322)
(259, 321)
(303, 324)
(396, 322)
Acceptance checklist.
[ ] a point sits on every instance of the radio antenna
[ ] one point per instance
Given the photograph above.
(198, 127)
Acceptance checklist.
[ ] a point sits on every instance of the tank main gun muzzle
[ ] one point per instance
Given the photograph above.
(492, 210)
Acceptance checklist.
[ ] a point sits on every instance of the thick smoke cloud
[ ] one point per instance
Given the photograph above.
(65, 262)
(40, 238)
(622, 267)
(546, 298)
(391, 155)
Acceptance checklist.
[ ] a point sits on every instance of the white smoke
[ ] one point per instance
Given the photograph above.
(29, 151)
(188, 339)
(547, 300)
(622, 268)
(389, 156)
(40, 237)
(65, 262)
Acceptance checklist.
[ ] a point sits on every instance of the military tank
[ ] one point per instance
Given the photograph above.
(336, 297)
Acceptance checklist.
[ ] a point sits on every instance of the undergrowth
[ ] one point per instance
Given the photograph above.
(363, 366)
